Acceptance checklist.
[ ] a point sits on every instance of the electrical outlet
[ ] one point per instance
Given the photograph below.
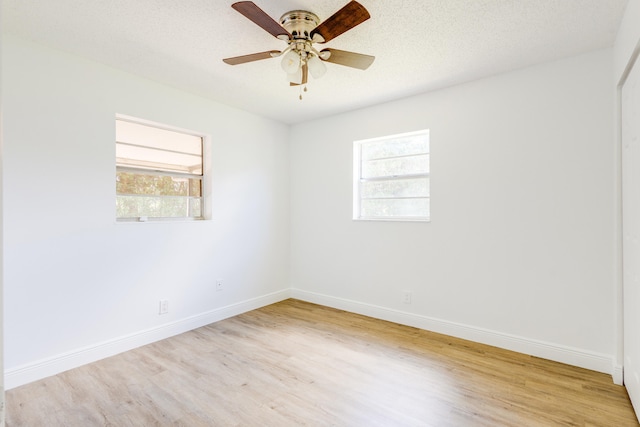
(164, 306)
(219, 285)
(406, 297)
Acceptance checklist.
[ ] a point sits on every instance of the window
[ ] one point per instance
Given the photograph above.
(391, 178)
(159, 172)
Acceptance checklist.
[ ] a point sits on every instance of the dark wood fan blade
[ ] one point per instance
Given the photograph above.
(349, 59)
(260, 18)
(343, 20)
(305, 76)
(250, 58)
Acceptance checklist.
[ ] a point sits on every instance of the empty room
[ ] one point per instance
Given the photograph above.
(323, 213)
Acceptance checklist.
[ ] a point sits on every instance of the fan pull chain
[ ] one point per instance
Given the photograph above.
(305, 89)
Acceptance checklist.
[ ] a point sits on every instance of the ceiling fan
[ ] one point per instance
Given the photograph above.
(300, 29)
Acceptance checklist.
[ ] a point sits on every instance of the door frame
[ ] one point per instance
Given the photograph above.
(618, 362)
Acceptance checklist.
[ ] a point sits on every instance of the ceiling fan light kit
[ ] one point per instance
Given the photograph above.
(316, 66)
(291, 62)
(300, 29)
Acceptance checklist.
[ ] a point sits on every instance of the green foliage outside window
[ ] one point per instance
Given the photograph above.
(157, 196)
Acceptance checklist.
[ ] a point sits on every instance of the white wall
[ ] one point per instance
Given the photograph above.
(78, 285)
(518, 253)
(519, 249)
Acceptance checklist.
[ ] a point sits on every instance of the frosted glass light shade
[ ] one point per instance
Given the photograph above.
(316, 67)
(290, 62)
(296, 76)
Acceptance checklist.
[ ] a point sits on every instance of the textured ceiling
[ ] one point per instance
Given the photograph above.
(419, 45)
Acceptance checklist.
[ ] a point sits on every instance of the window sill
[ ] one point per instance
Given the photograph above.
(158, 220)
(394, 219)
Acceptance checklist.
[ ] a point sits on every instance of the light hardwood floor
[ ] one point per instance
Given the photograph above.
(296, 364)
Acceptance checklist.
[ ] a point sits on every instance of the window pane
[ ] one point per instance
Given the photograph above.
(151, 158)
(195, 207)
(158, 207)
(396, 167)
(156, 148)
(382, 208)
(151, 136)
(391, 177)
(158, 185)
(396, 146)
(417, 187)
(195, 187)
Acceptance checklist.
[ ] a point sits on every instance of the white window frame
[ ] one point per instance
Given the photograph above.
(358, 180)
(205, 177)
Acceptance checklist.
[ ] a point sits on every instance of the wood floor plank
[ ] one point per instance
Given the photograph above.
(295, 364)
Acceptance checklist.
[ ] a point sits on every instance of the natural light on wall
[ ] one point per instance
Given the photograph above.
(159, 172)
(391, 178)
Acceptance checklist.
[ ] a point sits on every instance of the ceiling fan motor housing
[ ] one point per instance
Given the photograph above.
(300, 23)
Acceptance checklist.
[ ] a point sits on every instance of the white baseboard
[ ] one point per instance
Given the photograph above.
(617, 374)
(571, 356)
(53, 365)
